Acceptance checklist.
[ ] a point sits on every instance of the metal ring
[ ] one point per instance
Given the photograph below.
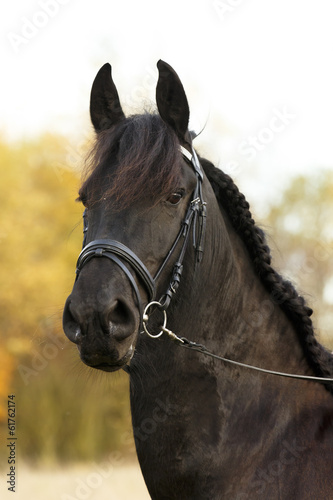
(146, 317)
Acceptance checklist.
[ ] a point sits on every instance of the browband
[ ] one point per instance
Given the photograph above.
(185, 153)
(193, 159)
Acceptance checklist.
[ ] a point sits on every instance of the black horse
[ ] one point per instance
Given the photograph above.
(203, 428)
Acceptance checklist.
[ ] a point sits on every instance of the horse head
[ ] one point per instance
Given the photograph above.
(137, 193)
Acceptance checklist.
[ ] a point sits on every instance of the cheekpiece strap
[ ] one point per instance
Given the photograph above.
(193, 159)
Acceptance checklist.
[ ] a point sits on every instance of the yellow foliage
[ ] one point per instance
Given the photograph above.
(38, 247)
(6, 371)
(302, 225)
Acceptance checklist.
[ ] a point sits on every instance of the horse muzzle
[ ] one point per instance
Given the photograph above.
(103, 326)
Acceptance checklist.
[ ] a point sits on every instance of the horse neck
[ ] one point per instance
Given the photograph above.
(217, 417)
(224, 305)
(233, 313)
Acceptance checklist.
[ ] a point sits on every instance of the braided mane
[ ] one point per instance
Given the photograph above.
(281, 291)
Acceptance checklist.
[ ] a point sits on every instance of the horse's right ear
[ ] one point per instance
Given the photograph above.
(105, 107)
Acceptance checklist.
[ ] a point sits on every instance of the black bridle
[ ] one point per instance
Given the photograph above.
(195, 218)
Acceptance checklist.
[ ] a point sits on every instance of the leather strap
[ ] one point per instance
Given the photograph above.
(109, 248)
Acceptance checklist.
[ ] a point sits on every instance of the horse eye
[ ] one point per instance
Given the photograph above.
(175, 198)
(82, 198)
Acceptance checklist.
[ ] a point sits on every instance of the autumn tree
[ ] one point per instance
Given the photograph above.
(301, 226)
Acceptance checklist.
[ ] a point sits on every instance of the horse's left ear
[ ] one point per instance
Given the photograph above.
(105, 107)
(171, 100)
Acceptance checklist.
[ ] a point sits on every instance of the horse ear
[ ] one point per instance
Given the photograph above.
(171, 100)
(105, 107)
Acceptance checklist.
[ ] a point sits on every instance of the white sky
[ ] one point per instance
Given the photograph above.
(243, 63)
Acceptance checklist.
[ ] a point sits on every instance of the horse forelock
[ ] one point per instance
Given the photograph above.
(281, 291)
(137, 159)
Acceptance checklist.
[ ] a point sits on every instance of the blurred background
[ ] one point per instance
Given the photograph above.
(259, 82)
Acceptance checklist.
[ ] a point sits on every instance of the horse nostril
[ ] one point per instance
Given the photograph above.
(71, 327)
(122, 318)
(119, 312)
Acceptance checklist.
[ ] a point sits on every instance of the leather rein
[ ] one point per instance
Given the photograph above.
(195, 219)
